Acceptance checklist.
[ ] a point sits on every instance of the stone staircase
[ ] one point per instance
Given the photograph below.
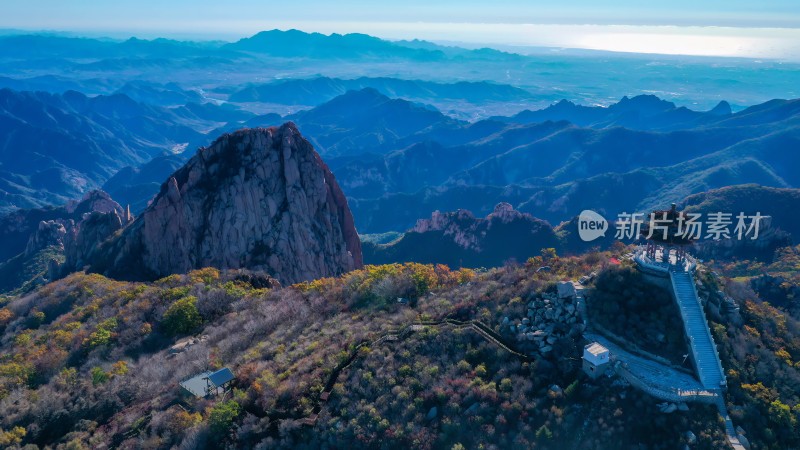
(730, 431)
(701, 343)
(709, 369)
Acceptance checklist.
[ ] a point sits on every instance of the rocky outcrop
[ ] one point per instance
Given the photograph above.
(550, 317)
(49, 234)
(40, 240)
(22, 230)
(459, 239)
(85, 239)
(470, 232)
(258, 198)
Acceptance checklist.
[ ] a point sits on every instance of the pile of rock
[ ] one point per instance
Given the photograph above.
(184, 344)
(550, 317)
(669, 408)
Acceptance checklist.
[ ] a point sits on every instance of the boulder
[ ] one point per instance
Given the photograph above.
(566, 289)
(667, 408)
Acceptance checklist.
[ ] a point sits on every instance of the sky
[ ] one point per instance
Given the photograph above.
(765, 28)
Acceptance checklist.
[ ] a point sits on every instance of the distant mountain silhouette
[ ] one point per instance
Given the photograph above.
(365, 121)
(295, 43)
(644, 112)
(555, 169)
(169, 94)
(318, 90)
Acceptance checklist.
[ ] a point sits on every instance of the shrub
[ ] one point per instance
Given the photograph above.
(182, 316)
(103, 335)
(99, 376)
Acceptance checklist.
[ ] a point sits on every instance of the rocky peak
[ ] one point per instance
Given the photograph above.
(258, 198)
(49, 234)
(505, 213)
(469, 232)
(93, 201)
(723, 108)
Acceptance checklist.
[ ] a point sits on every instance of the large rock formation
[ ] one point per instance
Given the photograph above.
(34, 243)
(257, 198)
(18, 228)
(459, 238)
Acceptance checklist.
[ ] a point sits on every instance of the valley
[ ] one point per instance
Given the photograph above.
(297, 240)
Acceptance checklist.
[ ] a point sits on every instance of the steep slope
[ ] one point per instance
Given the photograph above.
(257, 198)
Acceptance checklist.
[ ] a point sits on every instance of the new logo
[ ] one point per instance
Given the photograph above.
(591, 225)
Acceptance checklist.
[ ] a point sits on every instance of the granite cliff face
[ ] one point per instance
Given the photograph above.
(258, 198)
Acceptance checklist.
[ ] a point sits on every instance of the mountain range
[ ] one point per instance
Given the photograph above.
(56, 147)
(318, 90)
(398, 161)
(551, 169)
(217, 69)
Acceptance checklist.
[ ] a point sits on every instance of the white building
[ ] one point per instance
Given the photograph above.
(595, 359)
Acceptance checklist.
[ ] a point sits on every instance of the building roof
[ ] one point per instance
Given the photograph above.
(221, 377)
(596, 349)
(197, 384)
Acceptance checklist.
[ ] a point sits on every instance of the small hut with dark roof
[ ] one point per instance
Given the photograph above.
(209, 383)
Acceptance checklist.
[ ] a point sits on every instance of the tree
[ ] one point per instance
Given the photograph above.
(12, 437)
(544, 433)
(182, 316)
(549, 254)
(221, 418)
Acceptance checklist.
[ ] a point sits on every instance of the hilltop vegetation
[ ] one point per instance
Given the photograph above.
(640, 312)
(86, 360)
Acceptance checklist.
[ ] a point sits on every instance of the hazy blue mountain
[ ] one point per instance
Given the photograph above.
(295, 44)
(318, 90)
(135, 186)
(365, 121)
(51, 46)
(102, 66)
(169, 94)
(646, 112)
(56, 147)
(398, 161)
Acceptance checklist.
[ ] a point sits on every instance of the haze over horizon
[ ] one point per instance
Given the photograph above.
(715, 28)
